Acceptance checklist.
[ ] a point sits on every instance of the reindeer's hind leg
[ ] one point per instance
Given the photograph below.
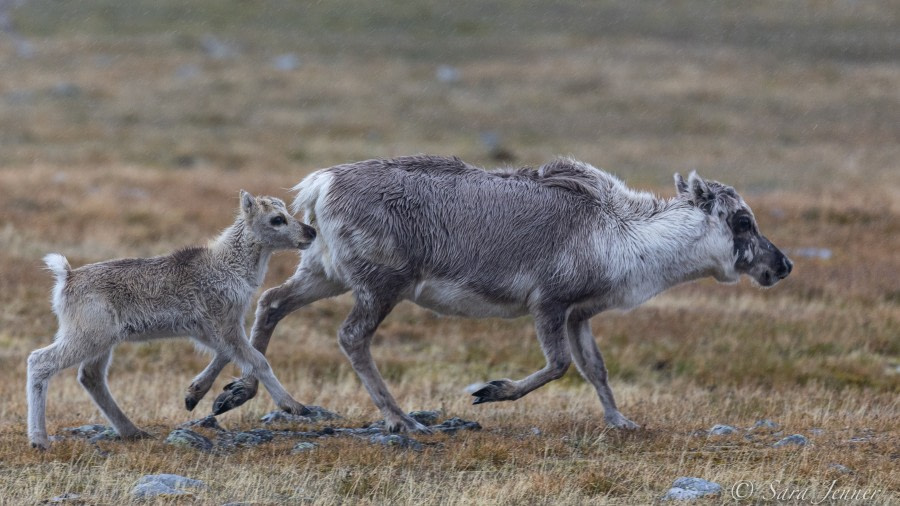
(92, 376)
(550, 324)
(307, 285)
(355, 338)
(590, 364)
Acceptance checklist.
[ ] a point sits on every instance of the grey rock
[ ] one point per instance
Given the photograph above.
(68, 497)
(187, 438)
(286, 62)
(207, 422)
(840, 468)
(188, 71)
(447, 74)
(795, 439)
(765, 423)
(216, 48)
(304, 446)
(722, 430)
(66, 90)
(85, 431)
(536, 431)
(317, 414)
(817, 253)
(687, 489)
(106, 435)
(426, 417)
(396, 441)
(454, 424)
(155, 485)
(253, 437)
(817, 431)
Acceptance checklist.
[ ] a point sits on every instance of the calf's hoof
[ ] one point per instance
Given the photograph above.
(40, 443)
(497, 390)
(235, 393)
(190, 402)
(138, 434)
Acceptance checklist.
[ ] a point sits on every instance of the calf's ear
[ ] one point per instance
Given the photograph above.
(248, 203)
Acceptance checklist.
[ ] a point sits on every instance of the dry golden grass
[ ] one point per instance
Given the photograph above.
(107, 152)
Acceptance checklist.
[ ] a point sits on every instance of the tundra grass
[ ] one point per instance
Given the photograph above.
(122, 136)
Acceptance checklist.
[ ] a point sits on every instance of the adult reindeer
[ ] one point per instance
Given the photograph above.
(561, 243)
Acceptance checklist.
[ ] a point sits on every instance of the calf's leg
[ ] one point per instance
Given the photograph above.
(92, 376)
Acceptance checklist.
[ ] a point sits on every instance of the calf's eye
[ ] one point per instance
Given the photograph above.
(278, 221)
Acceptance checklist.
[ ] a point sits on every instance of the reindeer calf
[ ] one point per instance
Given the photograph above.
(202, 292)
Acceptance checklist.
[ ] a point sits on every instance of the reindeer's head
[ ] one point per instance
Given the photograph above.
(751, 253)
(275, 228)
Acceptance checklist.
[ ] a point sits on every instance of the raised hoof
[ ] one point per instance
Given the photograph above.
(235, 394)
(190, 402)
(494, 391)
(406, 424)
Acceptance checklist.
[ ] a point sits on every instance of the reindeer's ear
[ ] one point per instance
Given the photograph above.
(700, 193)
(248, 203)
(680, 185)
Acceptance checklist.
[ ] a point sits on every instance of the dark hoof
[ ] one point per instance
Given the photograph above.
(235, 394)
(299, 410)
(139, 435)
(494, 391)
(190, 402)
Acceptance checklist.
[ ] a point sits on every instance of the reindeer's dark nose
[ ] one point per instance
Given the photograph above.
(784, 268)
(311, 232)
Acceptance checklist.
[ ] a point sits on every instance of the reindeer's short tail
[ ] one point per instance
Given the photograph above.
(309, 192)
(59, 266)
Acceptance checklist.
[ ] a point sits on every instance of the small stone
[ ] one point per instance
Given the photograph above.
(66, 90)
(722, 430)
(454, 424)
(426, 417)
(765, 423)
(68, 497)
(156, 485)
(686, 489)
(816, 431)
(447, 74)
(304, 446)
(207, 422)
(187, 438)
(107, 435)
(217, 49)
(286, 62)
(536, 431)
(840, 468)
(253, 437)
(86, 431)
(188, 71)
(396, 441)
(316, 414)
(796, 439)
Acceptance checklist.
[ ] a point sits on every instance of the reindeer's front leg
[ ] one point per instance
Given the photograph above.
(550, 322)
(590, 364)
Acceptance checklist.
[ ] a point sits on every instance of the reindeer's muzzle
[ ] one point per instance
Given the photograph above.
(777, 264)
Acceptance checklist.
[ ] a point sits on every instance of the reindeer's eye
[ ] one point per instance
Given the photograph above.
(278, 221)
(742, 224)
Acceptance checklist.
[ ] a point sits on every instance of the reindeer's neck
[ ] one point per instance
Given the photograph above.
(658, 244)
(241, 254)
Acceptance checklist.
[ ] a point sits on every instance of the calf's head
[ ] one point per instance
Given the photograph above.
(274, 227)
(739, 246)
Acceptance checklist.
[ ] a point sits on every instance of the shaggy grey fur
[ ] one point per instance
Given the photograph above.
(199, 292)
(561, 243)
